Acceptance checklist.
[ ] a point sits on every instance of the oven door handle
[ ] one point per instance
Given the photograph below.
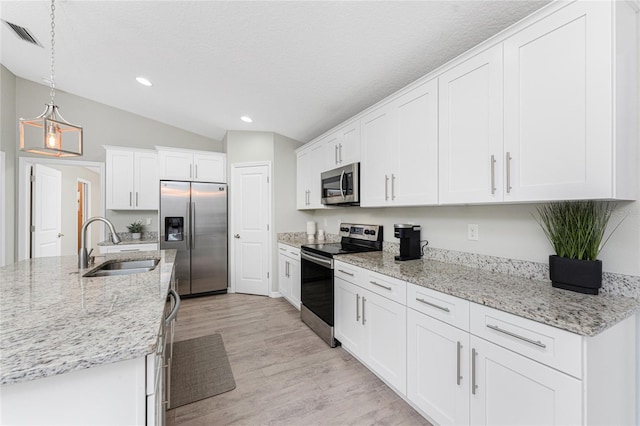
(322, 261)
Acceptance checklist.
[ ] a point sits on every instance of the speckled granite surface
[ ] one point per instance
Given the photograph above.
(536, 300)
(53, 320)
(145, 238)
(297, 239)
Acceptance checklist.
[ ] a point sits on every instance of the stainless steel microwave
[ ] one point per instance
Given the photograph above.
(341, 186)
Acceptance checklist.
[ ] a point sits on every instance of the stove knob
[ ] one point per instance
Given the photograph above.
(372, 232)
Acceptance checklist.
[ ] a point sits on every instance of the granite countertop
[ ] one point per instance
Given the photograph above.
(582, 314)
(53, 320)
(298, 239)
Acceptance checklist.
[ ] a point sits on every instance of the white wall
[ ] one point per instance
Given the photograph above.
(8, 132)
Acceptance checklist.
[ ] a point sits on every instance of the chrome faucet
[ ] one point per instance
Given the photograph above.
(83, 256)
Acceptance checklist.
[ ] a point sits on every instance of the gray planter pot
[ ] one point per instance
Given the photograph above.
(582, 276)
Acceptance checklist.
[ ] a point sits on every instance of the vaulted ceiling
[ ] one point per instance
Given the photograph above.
(297, 68)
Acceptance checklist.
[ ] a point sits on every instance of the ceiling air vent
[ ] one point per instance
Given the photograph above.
(22, 33)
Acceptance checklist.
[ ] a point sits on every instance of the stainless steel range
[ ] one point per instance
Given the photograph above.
(317, 290)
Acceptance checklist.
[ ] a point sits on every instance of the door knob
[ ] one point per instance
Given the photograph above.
(236, 236)
(60, 234)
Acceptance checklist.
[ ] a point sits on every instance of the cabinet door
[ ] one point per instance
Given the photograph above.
(514, 390)
(348, 316)
(302, 183)
(558, 106)
(349, 143)
(175, 165)
(316, 166)
(385, 324)
(146, 182)
(294, 282)
(331, 150)
(375, 170)
(284, 284)
(119, 184)
(470, 142)
(209, 168)
(438, 369)
(414, 180)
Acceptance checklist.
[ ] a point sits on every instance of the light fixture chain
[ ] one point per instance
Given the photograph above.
(53, 43)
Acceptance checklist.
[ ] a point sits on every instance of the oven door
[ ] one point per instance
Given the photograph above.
(316, 285)
(341, 185)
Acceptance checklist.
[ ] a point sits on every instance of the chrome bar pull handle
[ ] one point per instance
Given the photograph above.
(341, 188)
(340, 149)
(493, 174)
(458, 376)
(335, 154)
(380, 285)
(130, 199)
(508, 172)
(357, 307)
(442, 308)
(190, 170)
(517, 336)
(137, 198)
(474, 386)
(196, 166)
(386, 187)
(345, 272)
(364, 299)
(393, 184)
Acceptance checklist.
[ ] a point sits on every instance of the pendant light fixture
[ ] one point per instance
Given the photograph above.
(49, 133)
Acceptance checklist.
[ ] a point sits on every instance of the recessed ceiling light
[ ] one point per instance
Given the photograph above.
(246, 119)
(144, 81)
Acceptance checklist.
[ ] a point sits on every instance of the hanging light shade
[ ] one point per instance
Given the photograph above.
(49, 133)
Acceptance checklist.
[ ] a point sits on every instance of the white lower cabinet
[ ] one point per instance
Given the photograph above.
(438, 382)
(372, 328)
(511, 389)
(289, 274)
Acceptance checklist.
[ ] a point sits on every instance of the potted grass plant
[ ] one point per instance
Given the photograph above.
(136, 229)
(576, 230)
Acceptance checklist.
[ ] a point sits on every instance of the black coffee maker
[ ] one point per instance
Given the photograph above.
(409, 241)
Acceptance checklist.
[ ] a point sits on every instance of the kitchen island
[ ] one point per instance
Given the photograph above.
(57, 326)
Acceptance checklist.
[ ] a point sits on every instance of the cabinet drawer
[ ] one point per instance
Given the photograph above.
(389, 287)
(446, 308)
(128, 248)
(347, 272)
(548, 345)
(289, 251)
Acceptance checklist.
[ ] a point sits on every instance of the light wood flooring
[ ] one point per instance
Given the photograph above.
(285, 375)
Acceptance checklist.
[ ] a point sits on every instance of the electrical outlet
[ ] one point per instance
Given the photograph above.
(148, 221)
(472, 232)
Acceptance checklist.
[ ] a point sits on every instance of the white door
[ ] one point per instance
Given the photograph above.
(348, 316)
(46, 212)
(119, 185)
(470, 116)
(438, 366)
(385, 324)
(147, 184)
(375, 173)
(251, 218)
(514, 390)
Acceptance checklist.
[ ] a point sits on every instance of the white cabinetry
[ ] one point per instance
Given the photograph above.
(569, 80)
(289, 273)
(132, 179)
(372, 328)
(310, 163)
(400, 150)
(470, 150)
(342, 147)
(196, 166)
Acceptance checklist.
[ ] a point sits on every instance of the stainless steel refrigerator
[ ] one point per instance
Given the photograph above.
(193, 220)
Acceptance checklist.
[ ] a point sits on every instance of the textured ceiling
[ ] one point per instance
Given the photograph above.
(297, 67)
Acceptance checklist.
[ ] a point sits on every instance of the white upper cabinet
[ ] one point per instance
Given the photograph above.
(132, 179)
(559, 92)
(342, 147)
(310, 163)
(400, 150)
(470, 147)
(197, 166)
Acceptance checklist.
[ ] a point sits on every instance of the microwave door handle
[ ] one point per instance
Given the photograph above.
(341, 180)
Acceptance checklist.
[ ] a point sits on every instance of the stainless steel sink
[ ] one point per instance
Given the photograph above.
(124, 267)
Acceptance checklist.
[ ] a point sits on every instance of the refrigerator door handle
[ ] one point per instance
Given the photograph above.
(192, 221)
(187, 231)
